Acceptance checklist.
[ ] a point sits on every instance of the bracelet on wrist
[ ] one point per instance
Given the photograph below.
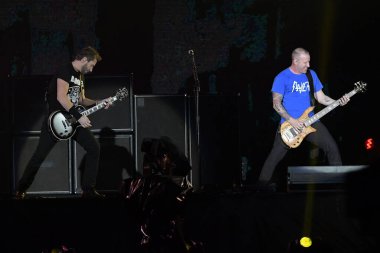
(74, 111)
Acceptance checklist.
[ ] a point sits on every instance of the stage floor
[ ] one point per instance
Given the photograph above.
(223, 221)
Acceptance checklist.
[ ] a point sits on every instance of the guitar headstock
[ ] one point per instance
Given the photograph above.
(360, 86)
(121, 93)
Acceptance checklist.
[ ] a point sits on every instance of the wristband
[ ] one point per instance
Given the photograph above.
(74, 111)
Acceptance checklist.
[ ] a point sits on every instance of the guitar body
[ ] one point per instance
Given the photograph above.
(62, 124)
(292, 137)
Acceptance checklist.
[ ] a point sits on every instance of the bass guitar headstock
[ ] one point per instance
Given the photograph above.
(360, 86)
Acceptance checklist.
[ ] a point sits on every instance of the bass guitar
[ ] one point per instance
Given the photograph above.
(293, 137)
(63, 125)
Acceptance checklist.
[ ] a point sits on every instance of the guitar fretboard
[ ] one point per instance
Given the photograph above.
(97, 107)
(326, 110)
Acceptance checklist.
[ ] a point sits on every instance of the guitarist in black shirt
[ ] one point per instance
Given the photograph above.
(66, 92)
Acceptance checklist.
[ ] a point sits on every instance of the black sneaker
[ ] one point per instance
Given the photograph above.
(266, 187)
(92, 194)
(20, 195)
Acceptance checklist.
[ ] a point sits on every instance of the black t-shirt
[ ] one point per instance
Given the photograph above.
(75, 81)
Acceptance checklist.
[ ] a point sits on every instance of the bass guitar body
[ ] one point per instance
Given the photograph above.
(293, 137)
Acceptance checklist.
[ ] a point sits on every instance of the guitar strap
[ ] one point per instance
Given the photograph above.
(311, 85)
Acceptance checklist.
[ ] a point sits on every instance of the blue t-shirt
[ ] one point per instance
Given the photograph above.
(295, 90)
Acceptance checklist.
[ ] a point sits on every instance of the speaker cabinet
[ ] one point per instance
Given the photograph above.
(5, 103)
(6, 161)
(118, 116)
(319, 177)
(28, 103)
(53, 176)
(116, 161)
(219, 153)
(5, 137)
(159, 116)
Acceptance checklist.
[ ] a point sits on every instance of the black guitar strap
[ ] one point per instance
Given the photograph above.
(311, 85)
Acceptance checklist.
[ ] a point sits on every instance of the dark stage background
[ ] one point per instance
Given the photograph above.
(239, 46)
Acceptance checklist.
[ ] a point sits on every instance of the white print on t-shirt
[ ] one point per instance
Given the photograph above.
(75, 80)
(303, 87)
(74, 90)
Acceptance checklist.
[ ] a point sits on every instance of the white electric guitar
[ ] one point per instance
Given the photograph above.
(63, 125)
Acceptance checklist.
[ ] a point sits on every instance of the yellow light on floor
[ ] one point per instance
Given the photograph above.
(305, 242)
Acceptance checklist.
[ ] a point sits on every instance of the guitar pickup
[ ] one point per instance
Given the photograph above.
(64, 123)
(294, 132)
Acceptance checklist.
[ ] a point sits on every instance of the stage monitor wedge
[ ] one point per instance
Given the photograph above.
(319, 177)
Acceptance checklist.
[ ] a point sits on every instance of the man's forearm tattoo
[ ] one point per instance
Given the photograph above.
(277, 105)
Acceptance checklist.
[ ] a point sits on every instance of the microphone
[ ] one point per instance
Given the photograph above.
(191, 52)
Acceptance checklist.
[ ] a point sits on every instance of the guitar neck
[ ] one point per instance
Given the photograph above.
(97, 107)
(326, 110)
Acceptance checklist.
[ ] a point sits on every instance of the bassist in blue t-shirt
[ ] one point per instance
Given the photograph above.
(292, 101)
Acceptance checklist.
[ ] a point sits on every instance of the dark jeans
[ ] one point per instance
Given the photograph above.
(321, 138)
(46, 143)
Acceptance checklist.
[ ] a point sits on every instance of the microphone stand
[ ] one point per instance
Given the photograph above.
(197, 89)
